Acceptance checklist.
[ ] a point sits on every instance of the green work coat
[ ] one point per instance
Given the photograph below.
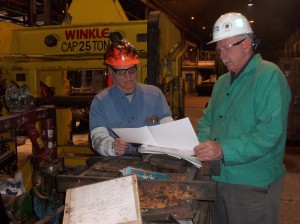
(249, 119)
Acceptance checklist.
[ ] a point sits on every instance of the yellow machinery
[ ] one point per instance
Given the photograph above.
(67, 59)
(58, 55)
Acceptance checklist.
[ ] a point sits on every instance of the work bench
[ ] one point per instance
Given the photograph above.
(186, 195)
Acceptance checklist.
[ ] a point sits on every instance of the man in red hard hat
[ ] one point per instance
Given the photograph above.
(126, 104)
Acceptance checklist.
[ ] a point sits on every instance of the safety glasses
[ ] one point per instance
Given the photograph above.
(122, 72)
(229, 47)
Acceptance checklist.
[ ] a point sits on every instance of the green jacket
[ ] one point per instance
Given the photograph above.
(249, 119)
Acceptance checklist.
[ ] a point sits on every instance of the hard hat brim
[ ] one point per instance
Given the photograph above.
(223, 38)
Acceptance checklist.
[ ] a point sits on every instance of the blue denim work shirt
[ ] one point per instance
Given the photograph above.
(112, 109)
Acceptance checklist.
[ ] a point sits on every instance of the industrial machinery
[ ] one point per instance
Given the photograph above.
(63, 65)
(52, 71)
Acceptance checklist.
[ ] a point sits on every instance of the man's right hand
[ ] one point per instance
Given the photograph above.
(120, 146)
(209, 150)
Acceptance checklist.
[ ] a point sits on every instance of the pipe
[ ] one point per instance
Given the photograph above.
(48, 218)
(66, 101)
(40, 195)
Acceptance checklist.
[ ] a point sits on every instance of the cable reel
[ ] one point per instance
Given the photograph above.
(18, 99)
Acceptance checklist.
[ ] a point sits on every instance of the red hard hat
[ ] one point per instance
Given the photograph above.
(121, 53)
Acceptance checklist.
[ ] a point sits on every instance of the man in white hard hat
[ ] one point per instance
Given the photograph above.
(245, 125)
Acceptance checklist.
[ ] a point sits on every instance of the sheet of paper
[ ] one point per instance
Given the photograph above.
(136, 135)
(178, 134)
(110, 202)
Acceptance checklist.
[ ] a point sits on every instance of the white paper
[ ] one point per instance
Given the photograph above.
(136, 135)
(178, 134)
(107, 202)
(177, 153)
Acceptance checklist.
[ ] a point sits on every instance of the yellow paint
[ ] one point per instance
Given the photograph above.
(27, 172)
(92, 11)
(6, 36)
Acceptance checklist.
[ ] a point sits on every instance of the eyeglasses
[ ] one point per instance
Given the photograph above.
(229, 47)
(121, 72)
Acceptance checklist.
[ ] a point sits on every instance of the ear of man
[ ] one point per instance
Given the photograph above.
(247, 43)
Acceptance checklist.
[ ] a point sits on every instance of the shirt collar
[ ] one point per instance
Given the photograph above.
(235, 76)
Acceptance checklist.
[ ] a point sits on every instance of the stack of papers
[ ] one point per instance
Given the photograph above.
(176, 138)
(171, 152)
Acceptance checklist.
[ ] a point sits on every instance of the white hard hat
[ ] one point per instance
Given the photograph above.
(229, 25)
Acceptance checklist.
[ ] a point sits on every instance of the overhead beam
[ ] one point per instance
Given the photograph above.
(182, 25)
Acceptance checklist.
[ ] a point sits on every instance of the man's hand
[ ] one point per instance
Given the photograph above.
(120, 146)
(208, 150)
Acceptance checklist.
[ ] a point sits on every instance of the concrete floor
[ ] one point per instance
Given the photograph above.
(290, 202)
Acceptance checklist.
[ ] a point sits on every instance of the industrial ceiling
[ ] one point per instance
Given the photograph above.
(274, 20)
